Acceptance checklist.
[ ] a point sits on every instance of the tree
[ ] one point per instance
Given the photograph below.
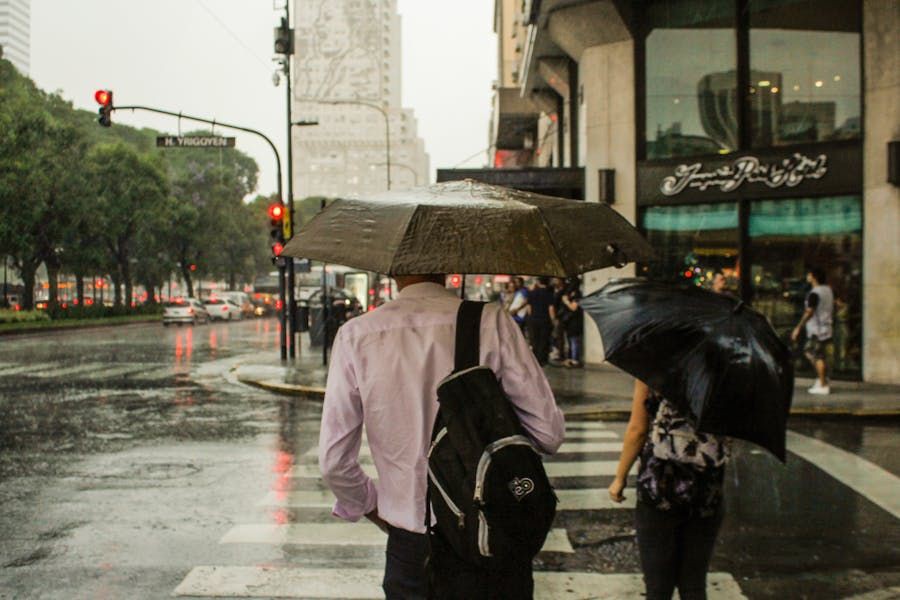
(131, 190)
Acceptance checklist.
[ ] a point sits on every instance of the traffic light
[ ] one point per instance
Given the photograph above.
(276, 231)
(284, 38)
(105, 99)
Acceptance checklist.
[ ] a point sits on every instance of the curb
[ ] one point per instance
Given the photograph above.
(286, 389)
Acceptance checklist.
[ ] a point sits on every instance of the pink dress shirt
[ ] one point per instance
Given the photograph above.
(385, 368)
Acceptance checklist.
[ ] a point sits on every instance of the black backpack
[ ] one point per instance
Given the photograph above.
(491, 497)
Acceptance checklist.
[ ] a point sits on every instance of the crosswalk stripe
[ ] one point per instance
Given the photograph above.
(586, 425)
(587, 468)
(365, 584)
(591, 434)
(860, 475)
(576, 499)
(343, 534)
(590, 499)
(114, 371)
(74, 370)
(567, 448)
(29, 369)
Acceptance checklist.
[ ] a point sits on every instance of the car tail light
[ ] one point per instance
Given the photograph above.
(224, 309)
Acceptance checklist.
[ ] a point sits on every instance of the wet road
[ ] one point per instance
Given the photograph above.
(133, 466)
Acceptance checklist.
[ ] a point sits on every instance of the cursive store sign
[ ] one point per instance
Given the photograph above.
(789, 172)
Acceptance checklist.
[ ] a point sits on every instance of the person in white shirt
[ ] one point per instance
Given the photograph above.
(384, 372)
(818, 317)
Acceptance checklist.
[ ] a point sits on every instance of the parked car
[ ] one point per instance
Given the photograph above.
(222, 309)
(186, 310)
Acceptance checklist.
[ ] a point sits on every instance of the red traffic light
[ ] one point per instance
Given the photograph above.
(276, 211)
(277, 247)
(455, 281)
(103, 97)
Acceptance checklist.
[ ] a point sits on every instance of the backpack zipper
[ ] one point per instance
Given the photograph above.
(485, 461)
(460, 517)
(483, 535)
(437, 438)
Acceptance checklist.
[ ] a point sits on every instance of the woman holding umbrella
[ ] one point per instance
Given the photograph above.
(679, 490)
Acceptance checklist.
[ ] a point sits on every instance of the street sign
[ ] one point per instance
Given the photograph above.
(194, 141)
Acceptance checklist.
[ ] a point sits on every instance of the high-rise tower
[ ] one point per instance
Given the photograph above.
(347, 76)
(15, 32)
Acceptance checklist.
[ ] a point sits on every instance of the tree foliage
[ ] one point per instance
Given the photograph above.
(87, 200)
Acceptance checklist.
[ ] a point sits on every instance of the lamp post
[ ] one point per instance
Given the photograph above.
(401, 166)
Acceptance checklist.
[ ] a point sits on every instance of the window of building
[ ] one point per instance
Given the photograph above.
(691, 78)
(804, 71)
(787, 237)
(692, 242)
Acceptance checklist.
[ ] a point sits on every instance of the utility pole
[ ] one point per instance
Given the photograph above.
(291, 277)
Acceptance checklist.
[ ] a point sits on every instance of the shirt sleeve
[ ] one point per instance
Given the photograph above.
(812, 300)
(526, 386)
(341, 436)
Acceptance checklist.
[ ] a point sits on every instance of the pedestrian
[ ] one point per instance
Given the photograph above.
(385, 369)
(573, 321)
(818, 317)
(519, 306)
(541, 314)
(558, 350)
(679, 494)
(718, 282)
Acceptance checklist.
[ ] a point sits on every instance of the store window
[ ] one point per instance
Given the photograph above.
(790, 236)
(691, 78)
(692, 242)
(804, 71)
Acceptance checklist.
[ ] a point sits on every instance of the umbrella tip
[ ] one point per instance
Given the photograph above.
(619, 258)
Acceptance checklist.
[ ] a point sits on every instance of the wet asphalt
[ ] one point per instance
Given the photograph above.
(126, 454)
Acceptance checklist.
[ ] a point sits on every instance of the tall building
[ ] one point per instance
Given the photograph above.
(347, 77)
(15, 32)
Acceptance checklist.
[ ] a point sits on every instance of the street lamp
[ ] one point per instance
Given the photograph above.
(401, 166)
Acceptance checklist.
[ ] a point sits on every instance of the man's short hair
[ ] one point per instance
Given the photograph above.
(818, 273)
(545, 281)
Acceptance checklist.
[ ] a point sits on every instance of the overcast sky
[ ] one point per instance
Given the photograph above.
(213, 58)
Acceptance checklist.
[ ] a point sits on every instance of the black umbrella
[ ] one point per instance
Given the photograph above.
(709, 353)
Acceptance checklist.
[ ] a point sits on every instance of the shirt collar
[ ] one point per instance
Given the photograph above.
(426, 289)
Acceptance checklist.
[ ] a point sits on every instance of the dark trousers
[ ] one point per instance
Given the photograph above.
(675, 549)
(451, 578)
(404, 571)
(540, 331)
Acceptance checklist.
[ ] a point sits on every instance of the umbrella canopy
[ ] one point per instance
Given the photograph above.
(709, 353)
(469, 227)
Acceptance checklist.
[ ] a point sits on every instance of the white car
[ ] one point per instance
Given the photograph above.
(187, 310)
(223, 309)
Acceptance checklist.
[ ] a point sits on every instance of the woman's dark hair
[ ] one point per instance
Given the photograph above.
(818, 273)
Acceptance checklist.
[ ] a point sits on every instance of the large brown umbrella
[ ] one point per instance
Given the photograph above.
(469, 227)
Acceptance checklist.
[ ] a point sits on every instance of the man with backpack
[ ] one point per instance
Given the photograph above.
(386, 369)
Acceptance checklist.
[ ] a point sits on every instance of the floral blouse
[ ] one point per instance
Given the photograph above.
(680, 467)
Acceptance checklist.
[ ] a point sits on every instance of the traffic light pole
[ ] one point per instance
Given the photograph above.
(290, 194)
(281, 270)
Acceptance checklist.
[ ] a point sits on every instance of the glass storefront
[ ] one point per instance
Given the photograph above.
(691, 103)
(804, 71)
(693, 242)
(790, 236)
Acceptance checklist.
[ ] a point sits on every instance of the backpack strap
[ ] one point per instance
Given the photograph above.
(468, 332)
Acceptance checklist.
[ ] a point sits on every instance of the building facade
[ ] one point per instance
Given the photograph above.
(747, 136)
(347, 76)
(15, 33)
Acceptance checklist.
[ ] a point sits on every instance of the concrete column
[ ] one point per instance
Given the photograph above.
(881, 200)
(607, 141)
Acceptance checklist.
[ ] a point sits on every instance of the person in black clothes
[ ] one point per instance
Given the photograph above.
(573, 321)
(540, 319)
(559, 330)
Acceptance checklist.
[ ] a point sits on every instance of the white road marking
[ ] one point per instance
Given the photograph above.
(343, 534)
(591, 434)
(69, 370)
(586, 425)
(115, 371)
(587, 468)
(584, 447)
(27, 369)
(569, 499)
(591, 499)
(860, 475)
(365, 584)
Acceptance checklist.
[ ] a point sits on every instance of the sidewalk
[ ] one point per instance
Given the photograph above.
(600, 392)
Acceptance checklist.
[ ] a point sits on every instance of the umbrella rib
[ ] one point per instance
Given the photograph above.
(556, 248)
(402, 236)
